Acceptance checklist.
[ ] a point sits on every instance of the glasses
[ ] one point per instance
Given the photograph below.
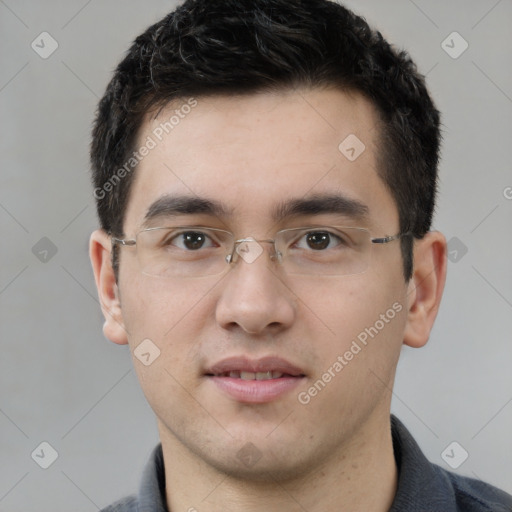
(195, 251)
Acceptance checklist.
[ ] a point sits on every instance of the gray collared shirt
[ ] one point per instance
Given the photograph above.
(422, 486)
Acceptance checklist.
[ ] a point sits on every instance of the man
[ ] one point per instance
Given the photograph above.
(265, 174)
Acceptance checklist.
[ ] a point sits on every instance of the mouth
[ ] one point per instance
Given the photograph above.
(244, 375)
(254, 381)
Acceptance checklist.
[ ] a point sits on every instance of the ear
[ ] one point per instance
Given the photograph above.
(425, 288)
(100, 253)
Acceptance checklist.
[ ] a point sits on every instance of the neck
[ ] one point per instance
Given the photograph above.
(362, 476)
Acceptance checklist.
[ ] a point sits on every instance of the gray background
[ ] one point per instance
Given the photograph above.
(62, 382)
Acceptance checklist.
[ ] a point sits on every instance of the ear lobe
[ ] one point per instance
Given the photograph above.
(108, 292)
(425, 288)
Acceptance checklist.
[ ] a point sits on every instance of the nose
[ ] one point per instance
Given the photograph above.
(254, 297)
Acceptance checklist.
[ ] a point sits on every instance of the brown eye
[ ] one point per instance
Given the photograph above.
(318, 240)
(191, 240)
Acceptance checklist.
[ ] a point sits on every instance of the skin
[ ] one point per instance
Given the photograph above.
(251, 153)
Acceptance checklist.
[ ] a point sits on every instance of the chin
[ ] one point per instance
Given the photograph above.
(267, 469)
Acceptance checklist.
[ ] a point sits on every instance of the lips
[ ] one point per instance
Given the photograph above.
(252, 375)
(254, 381)
(250, 369)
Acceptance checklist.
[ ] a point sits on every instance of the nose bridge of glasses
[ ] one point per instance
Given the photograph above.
(250, 249)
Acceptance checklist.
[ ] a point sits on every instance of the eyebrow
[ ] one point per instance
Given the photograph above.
(322, 203)
(169, 205)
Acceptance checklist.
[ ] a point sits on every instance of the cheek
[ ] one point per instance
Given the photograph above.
(342, 307)
(362, 326)
(156, 307)
(164, 320)
(171, 315)
(358, 318)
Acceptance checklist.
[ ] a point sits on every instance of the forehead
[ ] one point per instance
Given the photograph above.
(253, 153)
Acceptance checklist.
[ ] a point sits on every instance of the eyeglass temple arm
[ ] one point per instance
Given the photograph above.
(123, 241)
(387, 239)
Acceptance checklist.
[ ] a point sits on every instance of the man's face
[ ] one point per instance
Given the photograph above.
(252, 154)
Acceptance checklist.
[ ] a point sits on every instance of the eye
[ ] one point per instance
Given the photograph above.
(319, 240)
(190, 240)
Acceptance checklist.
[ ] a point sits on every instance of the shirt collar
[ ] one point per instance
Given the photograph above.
(421, 486)
(152, 487)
